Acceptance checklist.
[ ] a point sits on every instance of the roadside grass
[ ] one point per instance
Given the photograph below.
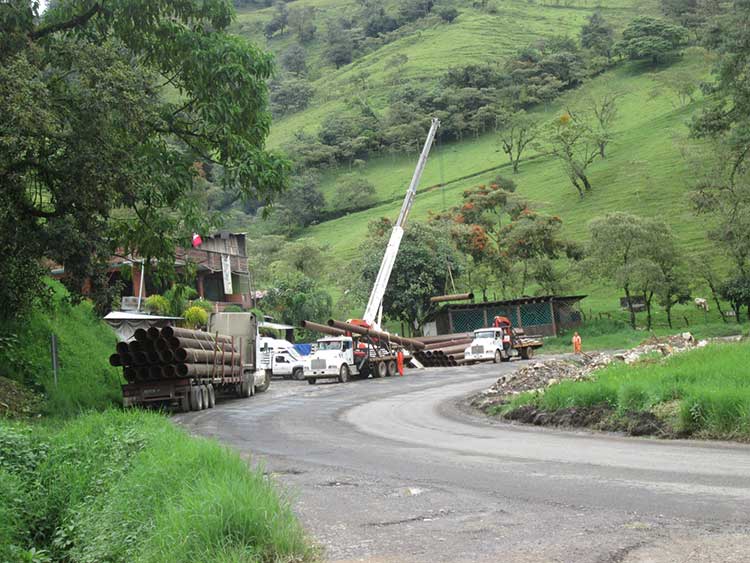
(707, 390)
(131, 487)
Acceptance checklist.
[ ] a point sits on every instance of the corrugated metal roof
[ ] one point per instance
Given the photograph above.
(518, 301)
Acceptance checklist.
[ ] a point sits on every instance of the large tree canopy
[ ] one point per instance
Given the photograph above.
(107, 107)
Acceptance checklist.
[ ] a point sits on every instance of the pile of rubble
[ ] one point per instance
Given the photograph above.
(540, 375)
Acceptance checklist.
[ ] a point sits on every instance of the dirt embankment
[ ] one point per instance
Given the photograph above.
(540, 375)
(16, 401)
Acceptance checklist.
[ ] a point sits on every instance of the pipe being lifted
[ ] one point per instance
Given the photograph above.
(324, 329)
(376, 333)
(454, 297)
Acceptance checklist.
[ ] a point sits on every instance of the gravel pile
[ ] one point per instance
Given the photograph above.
(542, 374)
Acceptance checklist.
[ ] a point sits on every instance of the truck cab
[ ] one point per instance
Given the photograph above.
(490, 344)
(333, 358)
(280, 357)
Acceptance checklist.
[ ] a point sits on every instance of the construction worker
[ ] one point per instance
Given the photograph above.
(576, 343)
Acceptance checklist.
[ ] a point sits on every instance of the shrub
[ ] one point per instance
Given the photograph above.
(195, 317)
(448, 13)
(232, 309)
(207, 306)
(157, 304)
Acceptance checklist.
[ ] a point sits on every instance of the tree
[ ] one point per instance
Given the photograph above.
(681, 83)
(290, 95)
(302, 205)
(597, 35)
(576, 145)
(353, 192)
(619, 249)
(294, 59)
(421, 270)
(518, 132)
(736, 290)
(651, 38)
(296, 298)
(302, 22)
(340, 43)
(82, 95)
(447, 13)
(602, 112)
(280, 19)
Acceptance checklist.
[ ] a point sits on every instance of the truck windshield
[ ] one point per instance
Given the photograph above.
(484, 334)
(336, 345)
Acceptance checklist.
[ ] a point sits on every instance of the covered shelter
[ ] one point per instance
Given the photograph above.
(545, 315)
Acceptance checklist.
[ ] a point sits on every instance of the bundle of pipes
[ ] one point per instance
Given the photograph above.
(444, 350)
(176, 352)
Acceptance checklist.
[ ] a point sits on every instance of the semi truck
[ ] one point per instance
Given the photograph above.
(343, 357)
(221, 361)
(500, 343)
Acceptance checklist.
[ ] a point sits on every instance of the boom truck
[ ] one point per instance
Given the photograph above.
(359, 347)
(189, 368)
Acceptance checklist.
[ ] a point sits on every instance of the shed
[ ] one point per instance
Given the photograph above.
(544, 316)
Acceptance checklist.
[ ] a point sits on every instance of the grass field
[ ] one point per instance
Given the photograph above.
(131, 487)
(704, 392)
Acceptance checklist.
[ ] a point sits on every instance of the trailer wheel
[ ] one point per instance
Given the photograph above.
(311, 380)
(211, 396)
(266, 382)
(298, 374)
(392, 368)
(498, 357)
(196, 399)
(381, 370)
(204, 396)
(343, 373)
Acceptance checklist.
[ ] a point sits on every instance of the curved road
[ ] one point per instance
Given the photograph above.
(393, 470)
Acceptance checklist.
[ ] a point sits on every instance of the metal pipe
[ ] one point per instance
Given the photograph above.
(154, 372)
(140, 334)
(196, 370)
(193, 356)
(376, 333)
(438, 345)
(168, 372)
(180, 342)
(135, 346)
(448, 350)
(140, 359)
(126, 359)
(153, 333)
(171, 331)
(122, 348)
(167, 356)
(115, 360)
(444, 337)
(324, 329)
(454, 297)
(141, 373)
(129, 374)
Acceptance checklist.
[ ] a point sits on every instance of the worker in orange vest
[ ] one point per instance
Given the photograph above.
(400, 362)
(576, 343)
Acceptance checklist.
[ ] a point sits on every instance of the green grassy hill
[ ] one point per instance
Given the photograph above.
(644, 172)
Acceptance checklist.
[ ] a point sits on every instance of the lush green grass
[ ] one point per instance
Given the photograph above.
(131, 487)
(709, 389)
(85, 380)
(611, 334)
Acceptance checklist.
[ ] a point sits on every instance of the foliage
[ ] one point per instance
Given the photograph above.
(302, 205)
(296, 298)
(85, 379)
(279, 20)
(519, 130)
(204, 304)
(157, 304)
(120, 486)
(576, 145)
(353, 192)
(709, 385)
(302, 23)
(597, 35)
(736, 290)
(83, 94)
(232, 309)
(447, 13)
(294, 59)
(290, 94)
(651, 38)
(423, 268)
(178, 296)
(195, 317)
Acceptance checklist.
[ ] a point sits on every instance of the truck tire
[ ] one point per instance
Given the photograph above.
(311, 380)
(527, 353)
(185, 402)
(204, 397)
(392, 368)
(196, 399)
(266, 382)
(211, 396)
(498, 357)
(343, 373)
(381, 370)
(298, 374)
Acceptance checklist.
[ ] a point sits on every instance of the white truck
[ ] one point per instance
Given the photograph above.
(280, 358)
(342, 357)
(499, 344)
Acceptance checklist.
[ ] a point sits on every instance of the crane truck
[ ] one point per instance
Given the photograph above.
(345, 354)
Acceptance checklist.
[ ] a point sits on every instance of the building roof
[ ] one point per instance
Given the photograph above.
(512, 302)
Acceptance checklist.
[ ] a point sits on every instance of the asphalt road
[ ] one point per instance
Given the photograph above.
(395, 470)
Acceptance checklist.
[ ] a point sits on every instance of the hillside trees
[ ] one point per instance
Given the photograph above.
(290, 94)
(294, 60)
(422, 268)
(575, 144)
(301, 22)
(353, 193)
(651, 38)
(518, 132)
(81, 94)
(280, 19)
(597, 35)
(302, 204)
(602, 113)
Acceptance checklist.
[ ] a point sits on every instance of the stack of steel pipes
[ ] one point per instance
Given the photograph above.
(172, 352)
(443, 351)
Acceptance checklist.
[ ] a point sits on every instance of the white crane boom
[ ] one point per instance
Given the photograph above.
(389, 258)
